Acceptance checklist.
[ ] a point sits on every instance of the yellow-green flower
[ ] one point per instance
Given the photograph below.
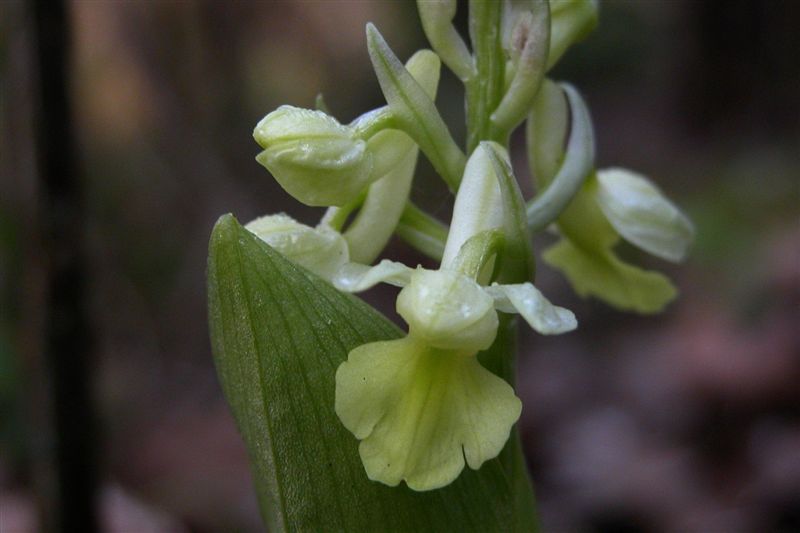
(611, 204)
(423, 405)
(617, 203)
(420, 411)
(362, 171)
(315, 158)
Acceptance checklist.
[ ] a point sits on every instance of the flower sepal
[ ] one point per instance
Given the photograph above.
(641, 213)
(321, 250)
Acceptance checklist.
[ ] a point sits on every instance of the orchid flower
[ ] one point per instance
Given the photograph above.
(423, 406)
(321, 162)
(606, 205)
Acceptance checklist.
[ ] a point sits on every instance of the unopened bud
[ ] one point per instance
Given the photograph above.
(312, 156)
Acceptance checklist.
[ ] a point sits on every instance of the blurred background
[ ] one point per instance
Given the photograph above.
(686, 421)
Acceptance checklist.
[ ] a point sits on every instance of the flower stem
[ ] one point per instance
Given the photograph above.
(500, 359)
(422, 231)
(336, 217)
(485, 90)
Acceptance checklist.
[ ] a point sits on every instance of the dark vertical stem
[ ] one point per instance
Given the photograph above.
(67, 339)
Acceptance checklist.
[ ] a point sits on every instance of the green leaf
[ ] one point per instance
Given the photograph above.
(279, 333)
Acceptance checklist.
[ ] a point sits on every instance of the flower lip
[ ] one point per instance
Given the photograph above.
(421, 413)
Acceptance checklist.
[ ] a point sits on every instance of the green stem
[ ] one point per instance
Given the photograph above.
(500, 359)
(336, 217)
(485, 90)
(422, 231)
(373, 122)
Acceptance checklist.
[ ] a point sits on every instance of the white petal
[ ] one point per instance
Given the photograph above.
(643, 215)
(321, 250)
(355, 277)
(526, 300)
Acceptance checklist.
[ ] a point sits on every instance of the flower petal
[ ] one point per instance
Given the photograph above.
(414, 110)
(643, 215)
(528, 301)
(419, 411)
(355, 277)
(478, 205)
(321, 250)
(320, 172)
(289, 123)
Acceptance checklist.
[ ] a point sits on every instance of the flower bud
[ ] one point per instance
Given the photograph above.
(312, 156)
(527, 43)
(322, 250)
(448, 310)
